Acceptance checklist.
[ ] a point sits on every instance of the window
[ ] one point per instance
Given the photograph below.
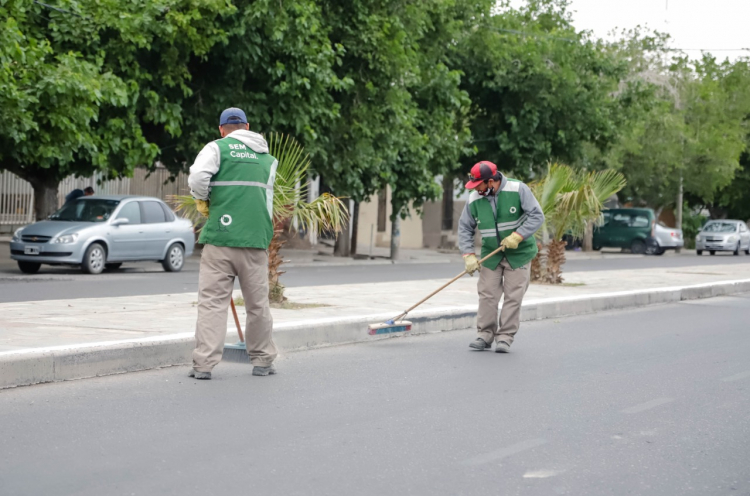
(639, 221)
(743, 228)
(620, 220)
(720, 227)
(85, 210)
(132, 212)
(606, 217)
(152, 212)
(168, 213)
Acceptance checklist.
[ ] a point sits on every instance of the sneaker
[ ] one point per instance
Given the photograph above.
(200, 375)
(480, 344)
(502, 347)
(263, 371)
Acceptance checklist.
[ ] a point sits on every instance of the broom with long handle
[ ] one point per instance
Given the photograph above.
(237, 320)
(397, 325)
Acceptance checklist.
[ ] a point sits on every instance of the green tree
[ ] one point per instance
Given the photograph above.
(686, 123)
(84, 86)
(540, 89)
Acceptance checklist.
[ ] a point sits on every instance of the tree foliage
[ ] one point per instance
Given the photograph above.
(386, 93)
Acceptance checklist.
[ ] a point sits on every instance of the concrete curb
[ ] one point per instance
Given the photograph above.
(39, 365)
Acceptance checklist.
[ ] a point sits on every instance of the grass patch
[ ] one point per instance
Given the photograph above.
(287, 305)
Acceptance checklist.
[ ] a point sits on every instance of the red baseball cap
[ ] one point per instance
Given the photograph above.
(481, 172)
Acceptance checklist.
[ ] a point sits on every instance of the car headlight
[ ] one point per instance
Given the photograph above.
(732, 239)
(17, 235)
(68, 238)
(698, 238)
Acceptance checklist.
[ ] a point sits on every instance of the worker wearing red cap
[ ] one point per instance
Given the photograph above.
(507, 215)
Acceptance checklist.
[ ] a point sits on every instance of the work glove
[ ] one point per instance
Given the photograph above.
(202, 206)
(511, 241)
(471, 263)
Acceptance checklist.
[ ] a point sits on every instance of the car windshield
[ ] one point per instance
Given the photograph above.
(723, 227)
(93, 210)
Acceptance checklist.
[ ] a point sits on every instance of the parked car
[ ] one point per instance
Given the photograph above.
(638, 230)
(98, 232)
(723, 235)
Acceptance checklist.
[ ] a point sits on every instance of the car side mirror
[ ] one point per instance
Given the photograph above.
(120, 222)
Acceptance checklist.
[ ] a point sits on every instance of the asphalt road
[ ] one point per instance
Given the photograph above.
(643, 402)
(53, 283)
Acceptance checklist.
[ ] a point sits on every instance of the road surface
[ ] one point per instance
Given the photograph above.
(644, 402)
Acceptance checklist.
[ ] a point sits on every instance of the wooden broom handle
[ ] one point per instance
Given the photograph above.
(236, 319)
(459, 276)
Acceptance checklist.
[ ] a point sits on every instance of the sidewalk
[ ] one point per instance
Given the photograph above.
(82, 321)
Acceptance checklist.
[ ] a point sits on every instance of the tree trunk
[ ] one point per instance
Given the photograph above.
(555, 261)
(45, 199)
(588, 237)
(355, 228)
(342, 246)
(447, 224)
(537, 264)
(275, 288)
(395, 235)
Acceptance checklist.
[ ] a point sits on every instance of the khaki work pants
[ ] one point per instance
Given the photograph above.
(493, 284)
(219, 266)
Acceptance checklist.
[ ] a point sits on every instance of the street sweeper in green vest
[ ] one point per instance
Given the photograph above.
(506, 214)
(232, 182)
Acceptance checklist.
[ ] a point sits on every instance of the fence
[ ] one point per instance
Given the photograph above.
(17, 195)
(16, 200)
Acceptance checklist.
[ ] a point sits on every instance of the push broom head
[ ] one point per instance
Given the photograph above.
(389, 327)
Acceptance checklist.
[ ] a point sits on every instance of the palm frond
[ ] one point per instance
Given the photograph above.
(325, 213)
(571, 200)
(606, 183)
(184, 205)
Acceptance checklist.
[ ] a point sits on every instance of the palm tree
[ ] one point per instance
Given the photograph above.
(325, 213)
(570, 200)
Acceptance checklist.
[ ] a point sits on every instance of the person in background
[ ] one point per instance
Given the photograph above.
(77, 193)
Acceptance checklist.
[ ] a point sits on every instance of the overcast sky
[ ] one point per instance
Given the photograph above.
(714, 24)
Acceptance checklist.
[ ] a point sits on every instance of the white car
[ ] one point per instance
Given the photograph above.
(664, 238)
(102, 232)
(723, 235)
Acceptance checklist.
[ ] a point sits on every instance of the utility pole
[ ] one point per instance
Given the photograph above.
(678, 210)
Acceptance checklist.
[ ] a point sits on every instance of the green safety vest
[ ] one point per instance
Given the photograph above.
(510, 216)
(241, 208)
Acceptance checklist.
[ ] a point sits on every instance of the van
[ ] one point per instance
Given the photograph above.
(636, 229)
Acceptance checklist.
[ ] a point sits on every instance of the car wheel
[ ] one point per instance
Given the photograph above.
(736, 252)
(29, 267)
(747, 252)
(699, 252)
(659, 251)
(94, 259)
(113, 266)
(712, 252)
(175, 258)
(638, 247)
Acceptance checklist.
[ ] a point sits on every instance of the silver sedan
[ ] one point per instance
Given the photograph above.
(98, 232)
(723, 235)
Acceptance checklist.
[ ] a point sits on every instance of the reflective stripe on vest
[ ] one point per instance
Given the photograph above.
(240, 183)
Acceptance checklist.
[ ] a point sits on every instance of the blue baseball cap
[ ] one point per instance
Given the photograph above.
(232, 115)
